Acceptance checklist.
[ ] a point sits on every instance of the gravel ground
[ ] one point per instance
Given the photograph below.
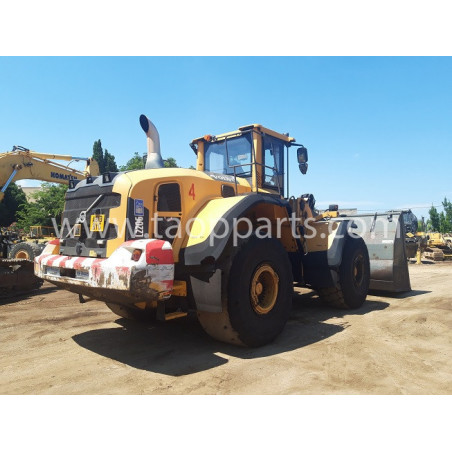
(51, 344)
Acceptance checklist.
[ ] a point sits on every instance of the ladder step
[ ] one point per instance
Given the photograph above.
(175, 315)
(162, 316)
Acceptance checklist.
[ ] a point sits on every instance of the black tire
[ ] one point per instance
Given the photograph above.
(132, 313)
(257, 286)
(354, 277)
(24, 250)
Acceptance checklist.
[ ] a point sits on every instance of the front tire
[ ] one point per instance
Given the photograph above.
(257, 291)
(25, 250)
(354, 277)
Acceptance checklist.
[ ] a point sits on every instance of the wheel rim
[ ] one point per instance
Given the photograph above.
(22, 254)
(358, 270)
(264, 289)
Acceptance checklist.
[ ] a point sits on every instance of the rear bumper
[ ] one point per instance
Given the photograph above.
(117, 278)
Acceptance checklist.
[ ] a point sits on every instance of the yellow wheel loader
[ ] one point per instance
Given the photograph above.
(224, 239)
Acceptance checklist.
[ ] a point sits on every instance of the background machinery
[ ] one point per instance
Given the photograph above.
(224, 239)
(22, 163)
(434, 245)
(17, 252)
(438, 246)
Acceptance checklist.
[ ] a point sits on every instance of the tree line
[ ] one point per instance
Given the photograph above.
(442, 221)
(48, 202)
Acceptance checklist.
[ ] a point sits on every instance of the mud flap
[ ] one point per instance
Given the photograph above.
(384, 236)
(207, 291)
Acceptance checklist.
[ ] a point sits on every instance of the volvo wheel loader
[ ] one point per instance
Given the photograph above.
(224, 239)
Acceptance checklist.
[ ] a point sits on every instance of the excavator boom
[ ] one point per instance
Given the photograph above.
(22, 163)
(16, 273)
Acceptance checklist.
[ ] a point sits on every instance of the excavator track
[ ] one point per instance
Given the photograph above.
(17, 277)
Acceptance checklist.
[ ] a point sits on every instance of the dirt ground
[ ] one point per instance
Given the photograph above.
(51, 344)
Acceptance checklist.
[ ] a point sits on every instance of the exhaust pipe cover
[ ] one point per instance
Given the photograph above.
(154, 158)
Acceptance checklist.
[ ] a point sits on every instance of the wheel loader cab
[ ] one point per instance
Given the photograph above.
(253, 153)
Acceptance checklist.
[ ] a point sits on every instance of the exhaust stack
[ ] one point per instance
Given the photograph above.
(154, 158)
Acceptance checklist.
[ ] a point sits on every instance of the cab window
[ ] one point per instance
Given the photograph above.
(224, 156)
(273, 154)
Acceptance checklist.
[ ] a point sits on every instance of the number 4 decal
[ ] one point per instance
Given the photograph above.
(192, 191)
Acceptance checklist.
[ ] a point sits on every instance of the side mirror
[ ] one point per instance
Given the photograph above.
(302, 155)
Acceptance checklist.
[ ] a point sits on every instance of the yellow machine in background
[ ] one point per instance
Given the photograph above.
(438, 246)
(157, 242)
(42, 233)
(30, 245)
(22, 163)
(17, 252)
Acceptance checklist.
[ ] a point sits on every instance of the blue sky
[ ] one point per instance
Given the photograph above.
(378, 130)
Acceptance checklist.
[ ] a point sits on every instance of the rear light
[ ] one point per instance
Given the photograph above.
(136, 254)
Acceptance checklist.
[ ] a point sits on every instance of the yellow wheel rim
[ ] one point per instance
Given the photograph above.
(358, 271)
(264, 289)
(22, 255)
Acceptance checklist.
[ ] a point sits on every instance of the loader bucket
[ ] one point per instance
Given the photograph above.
(384, 235)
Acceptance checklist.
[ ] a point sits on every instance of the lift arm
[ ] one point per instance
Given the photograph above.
(22, 163)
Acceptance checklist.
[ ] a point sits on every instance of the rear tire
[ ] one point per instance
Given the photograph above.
(24, 250)
(257, 291)
(354, 277)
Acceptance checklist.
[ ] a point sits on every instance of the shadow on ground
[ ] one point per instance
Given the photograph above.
(21, 296)
(400, 295)
(181, 347)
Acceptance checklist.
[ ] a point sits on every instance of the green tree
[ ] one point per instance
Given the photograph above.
(105, 160)
(442, 222)
(98, 155)
(447, 206)
(136, 162)
(14, 197)
(421, 225)
(170, 162)
(48, 203)
(109, 162)
(434, 219)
